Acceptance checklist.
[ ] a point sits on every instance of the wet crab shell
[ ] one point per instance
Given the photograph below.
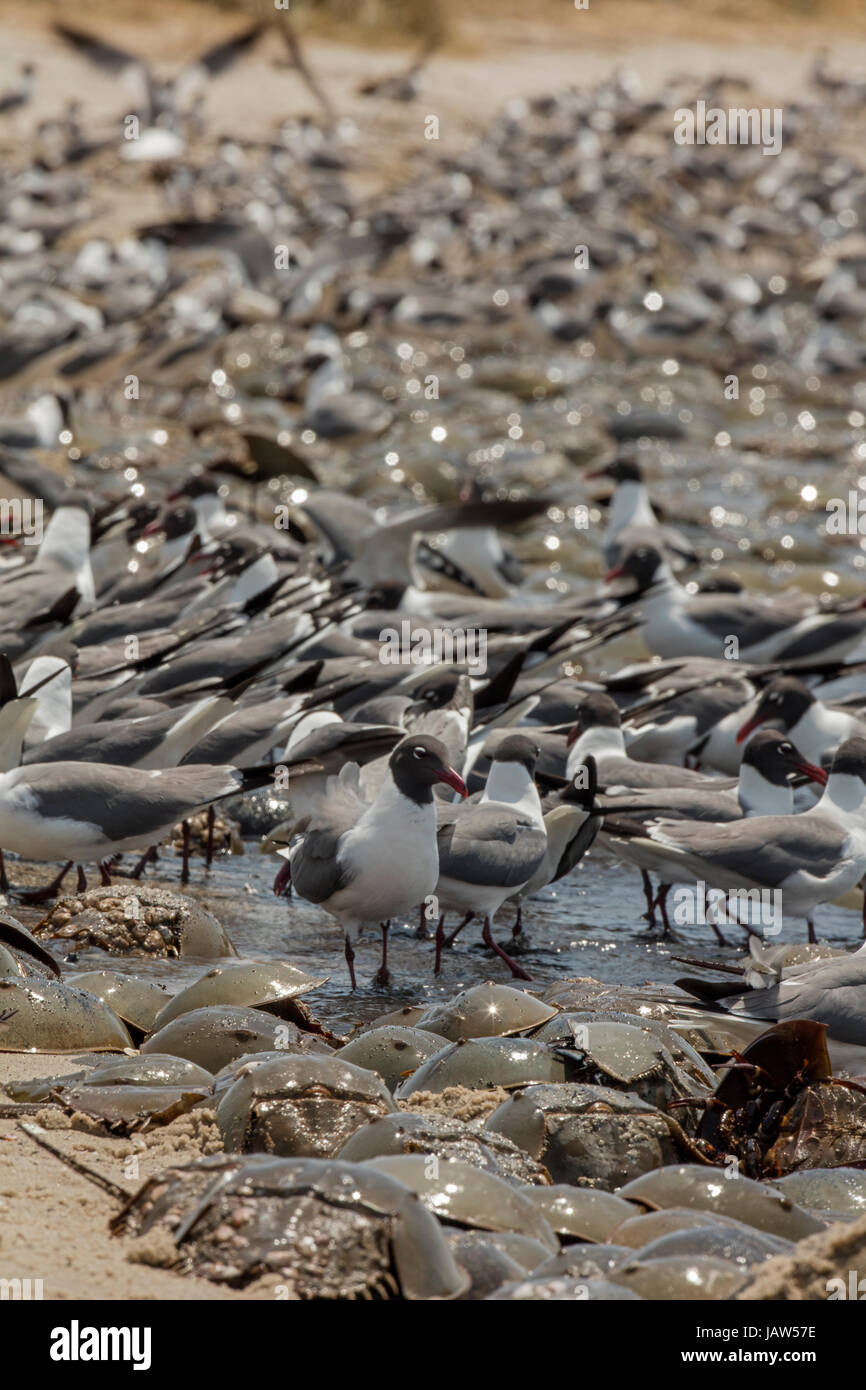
(582, 1214)
(250, 984)
(328, 1229)
(680, 1277)
(588, 1136)
(299, 1107)
(563, 1289)
(841, 1191)
(479, 1063)
(215, 1036)
(30, 955)
(466, 1196)
(486, 1011)
(125, 1109)
(756, 1204)
(47, 1016)
(735, 1244)
(619, 1054)
(566, 1028)
(392, 1052)
(136, 1001)
(405, 1132)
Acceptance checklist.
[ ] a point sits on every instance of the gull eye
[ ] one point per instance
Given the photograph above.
(785, 748)
(419, 752)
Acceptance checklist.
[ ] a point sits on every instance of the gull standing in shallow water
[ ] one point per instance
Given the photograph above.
(371, 862)
(81, 812)
(813, 858)
(490, 849)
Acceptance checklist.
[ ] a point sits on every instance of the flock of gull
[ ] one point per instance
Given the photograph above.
(246, 443)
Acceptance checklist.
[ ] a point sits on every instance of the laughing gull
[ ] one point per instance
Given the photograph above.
(811, 858)
(826, 991)
(764, 788)
(489, 850)
(631, 518)
(81, 812)
(816, 728)
(598, 730)
(571, 823)
(373, 861)
(678, 623)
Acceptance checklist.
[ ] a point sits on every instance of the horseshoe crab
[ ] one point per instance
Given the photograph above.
(134, 1000)
(479, 1063)
(841, 1191)
(392, 1052)
(563, 1289)
(407, 1017)
(754, 1203)
(583, 1214)
(779, 1107)
(47, 1016)
(679, 1278)
(215, 1036)
(326, 1229)
(447, 1138)
(467, 1196)
(582, 1261)
(485, 1011)
(620, 1055)
(20, 947)
(587, 1136)
(119, 1071)
(124, 1109)
(270, 986)
(579, 995)
(487, 1266)
(570, 1029)
(136, 919)
(299, 1107)
(737, 1245)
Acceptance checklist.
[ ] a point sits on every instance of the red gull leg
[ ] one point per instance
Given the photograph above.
(383, 974)
(440, 942)
(40, 895)
(349, 953)
(449, 940)
(516, 971)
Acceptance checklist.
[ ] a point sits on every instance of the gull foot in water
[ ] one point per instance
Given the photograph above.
(518, 973)
(41, 895)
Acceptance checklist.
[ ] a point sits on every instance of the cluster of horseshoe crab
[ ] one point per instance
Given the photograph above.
(493, 1145)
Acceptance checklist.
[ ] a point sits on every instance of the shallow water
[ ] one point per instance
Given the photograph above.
(588, 924)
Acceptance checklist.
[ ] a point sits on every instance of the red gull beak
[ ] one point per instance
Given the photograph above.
(614, 573)
(594, 473)
(153, 528)
(572, 736)
(453, 779)
(815, 774)
(749, 728)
